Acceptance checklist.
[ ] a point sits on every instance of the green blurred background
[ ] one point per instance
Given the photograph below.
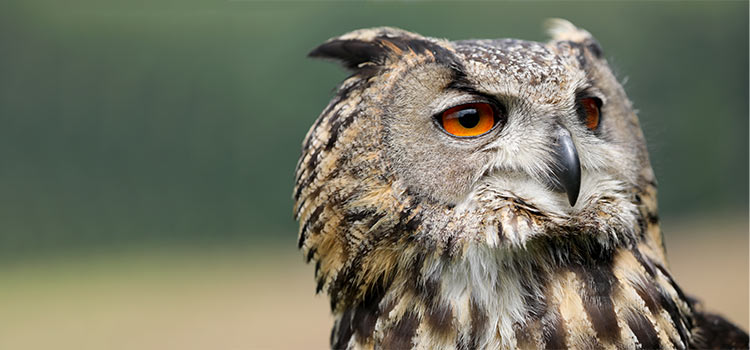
(148, 150)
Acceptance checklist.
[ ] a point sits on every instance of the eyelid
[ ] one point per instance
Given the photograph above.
(456, 96)
(459, 101)
(591, 92)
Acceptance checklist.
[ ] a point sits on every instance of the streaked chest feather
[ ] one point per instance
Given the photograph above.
(492, 300)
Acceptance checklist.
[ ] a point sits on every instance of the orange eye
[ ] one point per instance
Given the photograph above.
(471, 119)
(591, 112)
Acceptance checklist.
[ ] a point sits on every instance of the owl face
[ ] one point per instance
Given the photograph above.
(529, 94)
(488, 140)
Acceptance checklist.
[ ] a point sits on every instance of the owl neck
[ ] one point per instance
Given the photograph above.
(557, 293)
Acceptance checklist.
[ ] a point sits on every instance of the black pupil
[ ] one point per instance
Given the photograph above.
(468, 118)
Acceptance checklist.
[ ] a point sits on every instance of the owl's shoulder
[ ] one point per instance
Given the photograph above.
(715, 332)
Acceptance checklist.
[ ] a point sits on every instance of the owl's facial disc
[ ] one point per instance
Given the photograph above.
(481, 121)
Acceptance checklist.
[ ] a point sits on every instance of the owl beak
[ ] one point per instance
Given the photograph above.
(567, 171)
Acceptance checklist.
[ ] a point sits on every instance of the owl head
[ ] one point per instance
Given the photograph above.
(432, 147)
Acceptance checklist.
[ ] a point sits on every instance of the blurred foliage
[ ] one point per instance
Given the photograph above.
(166, 122)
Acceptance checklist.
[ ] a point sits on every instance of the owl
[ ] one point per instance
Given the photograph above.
(488, 194)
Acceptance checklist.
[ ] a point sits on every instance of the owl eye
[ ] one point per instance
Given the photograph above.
(467, 120)
(590, 112)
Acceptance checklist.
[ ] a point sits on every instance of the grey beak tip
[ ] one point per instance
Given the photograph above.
(572, 198)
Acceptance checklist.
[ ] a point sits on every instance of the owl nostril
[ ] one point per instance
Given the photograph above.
(567, 169)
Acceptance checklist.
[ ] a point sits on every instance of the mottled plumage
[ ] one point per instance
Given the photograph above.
(428, 241)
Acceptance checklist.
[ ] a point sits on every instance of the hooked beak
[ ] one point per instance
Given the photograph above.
(567, 170)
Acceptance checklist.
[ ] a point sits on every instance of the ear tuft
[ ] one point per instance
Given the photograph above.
(562, 30)
(363, 46)
(351, 52)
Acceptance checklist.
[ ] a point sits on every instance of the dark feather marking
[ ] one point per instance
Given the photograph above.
(343, 94)
(641, 223)
(553, 328)
(593, 46)
(647, 264)
(400, 335)
(479, 321)
(677, 318)
(500, 235)
(339, 125)
(301, 203)
(374, 219)
(460, 81)
(554, 335)
(718, 333)
(406, 222)
(644, 331)
(313, 219)
(387, 307)
(332, 337)
(317, 267)
(447, 252)
(325, 115)
(343, 331)
(312, 162)
(663, 299)
(672, 283)
(647, 291)
(587, 45)
(319, 284)
(674, 313)
(416, 281)
(319, 278)
(441, 54)
(366, 315)
(440, 318)
(438, 315)
(578, 48)
(427, 289)
(413, 224)
(310, 254)
(536, 304)
(580, 248)
(339, 287)
(597, 299)
(309, 180)
(354, 216)
(452, 246)
(637, 197)
(304, 184)
(462, 343)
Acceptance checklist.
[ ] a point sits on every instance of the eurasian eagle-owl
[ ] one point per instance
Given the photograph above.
(488, 194)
